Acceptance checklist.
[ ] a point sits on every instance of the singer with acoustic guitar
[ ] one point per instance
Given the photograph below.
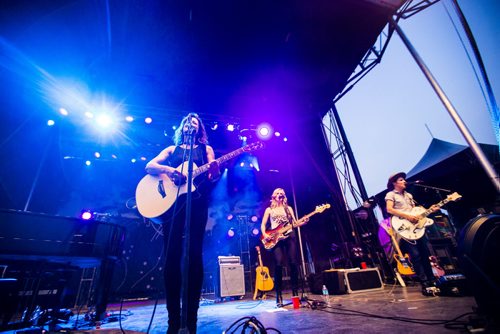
(171, 165)
(280, 214)
(399, 204)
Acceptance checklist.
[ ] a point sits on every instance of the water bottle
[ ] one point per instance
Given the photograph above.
(326, 295)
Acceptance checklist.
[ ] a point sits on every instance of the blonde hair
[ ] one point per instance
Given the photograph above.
(274, 202)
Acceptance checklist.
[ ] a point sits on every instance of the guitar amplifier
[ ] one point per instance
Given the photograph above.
(228, 260)
(231, 280)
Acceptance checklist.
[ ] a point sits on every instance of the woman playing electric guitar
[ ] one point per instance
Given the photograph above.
(279, 214)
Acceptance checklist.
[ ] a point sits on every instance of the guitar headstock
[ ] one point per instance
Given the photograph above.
(321, 208)
(257, 248)
(454, 197)
(253, 146)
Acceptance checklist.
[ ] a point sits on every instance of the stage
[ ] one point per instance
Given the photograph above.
(394, 309)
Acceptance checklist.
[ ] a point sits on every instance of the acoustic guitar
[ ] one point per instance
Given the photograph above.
(263, 281)
(155, 194)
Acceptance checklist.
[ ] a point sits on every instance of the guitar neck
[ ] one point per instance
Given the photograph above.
(202, 169)
(303, 220)
(429, 211)
(260, 259)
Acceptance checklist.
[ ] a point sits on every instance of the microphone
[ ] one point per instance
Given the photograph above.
(415, 182)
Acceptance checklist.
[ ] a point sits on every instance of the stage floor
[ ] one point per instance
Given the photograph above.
(394, 309)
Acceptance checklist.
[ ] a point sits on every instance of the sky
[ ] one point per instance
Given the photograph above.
(392, 114)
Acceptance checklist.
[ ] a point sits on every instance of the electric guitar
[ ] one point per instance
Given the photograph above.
(155, 194)
(263, 281)
(282, 232)
(411, 231)
(403, 263)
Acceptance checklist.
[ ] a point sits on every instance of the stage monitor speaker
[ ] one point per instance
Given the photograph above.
(479, 246)
(341, 281)
(232, 280)
(363, 280)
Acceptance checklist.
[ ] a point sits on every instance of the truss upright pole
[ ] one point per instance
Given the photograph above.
(476, 149)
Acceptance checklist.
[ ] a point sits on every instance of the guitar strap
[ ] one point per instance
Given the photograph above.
(289, 215)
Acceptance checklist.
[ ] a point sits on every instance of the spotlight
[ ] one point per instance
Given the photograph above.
(230, 127)
(230, 216)
(254, 218)
(277, 134)
(88, 163)
(97, 155)
(129, 119)
(264, 131)
(104, 120)
(86, 214)
(63, 112)
(231, 232)
(133, 160)
(50, 122)
(255, 231)
(148, 120)
(88, 114)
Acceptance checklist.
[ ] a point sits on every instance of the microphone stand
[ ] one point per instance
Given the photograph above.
(187, 232)
(431, 187)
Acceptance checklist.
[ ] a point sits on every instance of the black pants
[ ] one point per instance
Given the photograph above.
(288, 248)
(174, 266)
(419, 257)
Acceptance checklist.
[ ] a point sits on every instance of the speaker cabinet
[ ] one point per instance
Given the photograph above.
(341, 281)
(363, 280)
(232, 280)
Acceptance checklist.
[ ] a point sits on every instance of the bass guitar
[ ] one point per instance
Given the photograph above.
(411, 231)
(155, 194)
(263, 281)
(403, 264)
(283, 231)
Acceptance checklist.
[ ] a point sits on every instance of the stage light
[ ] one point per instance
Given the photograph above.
(230, 127)
(231, 232)
(285, 139)
(97, 155)
(254, 218)
(133, 160)
(88, 114)
(255, 231)
(50, 122)
(104, 120)
(264, 131)
(215, 126)
(63, 112)
(86, 214)
(230, 216)
(148, 120)
(143, 158)
(88, 163)
(129, 119)
(277, 134)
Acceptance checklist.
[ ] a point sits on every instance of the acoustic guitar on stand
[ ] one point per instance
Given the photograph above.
(411, 231)
(283, 231)
(263, 281)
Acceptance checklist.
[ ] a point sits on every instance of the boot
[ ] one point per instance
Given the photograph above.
(279, 300)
